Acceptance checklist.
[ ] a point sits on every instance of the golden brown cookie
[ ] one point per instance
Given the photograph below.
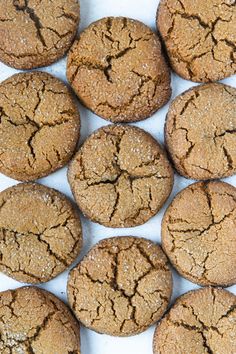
(121, 287)
(200, 132)
(40, 233)
(39, 125)
(35, 321)
(200, 37)
(120, 177)
(201, 321)
(198, 233)
(117, 69)
(36, 33)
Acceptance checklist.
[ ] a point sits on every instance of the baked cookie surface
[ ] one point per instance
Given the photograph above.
(201, 321)
(36, 33)
(121, 287)
(120, 177)
(200, 132)
(39, 125)
(200, 37)
(117, 69)
(35, 321)
(198, 233)
(40, 233)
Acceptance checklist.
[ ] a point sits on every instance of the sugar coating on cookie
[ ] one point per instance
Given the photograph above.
(121, 287)
(39, 125)
(201, 321)
(120, 177)
(35, 321)
(200, 37)
(40, 233)
(198, 233)
(117, 69)
(200, 132)
(36, 33)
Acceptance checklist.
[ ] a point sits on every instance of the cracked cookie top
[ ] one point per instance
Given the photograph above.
(40, 233)
(201, 321)
(200, 37)
(36, 33)
(118, 71)
(120, 177)
(121, 287)
(198, 233)
(39, 125)
(200, 132)
(35, 321)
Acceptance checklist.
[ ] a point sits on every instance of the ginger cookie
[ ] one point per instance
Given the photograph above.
(39, 125)
(201, 321)
(36, 33)
(200, 37)
(35, 321)
(200, 132)
(198, 233)
(117, 69)
(121, 287)
(40, 233)
(120, 177)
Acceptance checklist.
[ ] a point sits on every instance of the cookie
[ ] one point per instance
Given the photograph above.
(40, 233)
(36, 33)
(39, 125)
(198, 233)
(35, 321)
(200, 132)
(120, 177)
(121, 287)
(201, 321)
(117, 69)
(199, 37)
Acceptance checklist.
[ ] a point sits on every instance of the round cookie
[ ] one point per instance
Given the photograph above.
(201, 321)
(198, 233)
(40, 233)
(35, 321)
(200, 132)
(36, 33)
(200, 37)
(120, 177)
(117, 69)
(39, 125)
(121, 287)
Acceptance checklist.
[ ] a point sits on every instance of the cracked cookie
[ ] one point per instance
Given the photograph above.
(201, 321)
(36, 33)
(35, 321)
(118, 71)
(40, 233)
(39, 125)
(198, 233)
(121, 287)
(200, 132)
(200, 37)
(120, 177)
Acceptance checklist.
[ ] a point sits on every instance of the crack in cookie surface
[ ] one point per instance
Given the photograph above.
(121, 287)
(198, 233)
(120, 177)
(201, 321)
(117, 69)
(39, 125)
(39, 38)
(201, 44)
(200, 132)
(29, 316)
(40, 233)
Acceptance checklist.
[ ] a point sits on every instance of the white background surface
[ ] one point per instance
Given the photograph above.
(93, 343)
